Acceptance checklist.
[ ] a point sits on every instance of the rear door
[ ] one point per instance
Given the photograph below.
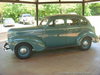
(73, 30)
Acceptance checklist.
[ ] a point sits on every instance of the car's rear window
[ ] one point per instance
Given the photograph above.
(76, 21)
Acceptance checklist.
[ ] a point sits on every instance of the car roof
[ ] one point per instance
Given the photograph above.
(64, 15)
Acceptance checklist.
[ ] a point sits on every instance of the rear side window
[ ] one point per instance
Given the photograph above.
(83, 22)
(76, 21)
(72, 21)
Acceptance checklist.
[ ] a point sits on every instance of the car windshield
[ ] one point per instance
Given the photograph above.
(44, 21)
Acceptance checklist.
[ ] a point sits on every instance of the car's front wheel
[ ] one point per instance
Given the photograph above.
(23, 51)
(86, 43)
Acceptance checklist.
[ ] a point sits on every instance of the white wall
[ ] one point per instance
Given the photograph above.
(95, 21)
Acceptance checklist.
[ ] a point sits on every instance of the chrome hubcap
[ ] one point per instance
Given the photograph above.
(85, 43)
(23, 50)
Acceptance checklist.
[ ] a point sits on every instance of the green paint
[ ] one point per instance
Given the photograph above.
(54, 31)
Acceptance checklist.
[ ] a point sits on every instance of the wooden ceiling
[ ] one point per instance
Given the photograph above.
(48, 1)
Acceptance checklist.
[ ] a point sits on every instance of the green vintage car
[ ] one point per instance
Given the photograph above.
(53, 32)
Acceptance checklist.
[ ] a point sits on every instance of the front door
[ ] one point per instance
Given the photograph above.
(53, 31)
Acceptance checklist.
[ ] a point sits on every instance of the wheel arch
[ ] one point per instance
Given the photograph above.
(81, 38)
(23, 43)
(85, 43)
(20, 54)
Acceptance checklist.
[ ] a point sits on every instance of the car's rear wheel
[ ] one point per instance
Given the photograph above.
(23, 51)
(86, 43)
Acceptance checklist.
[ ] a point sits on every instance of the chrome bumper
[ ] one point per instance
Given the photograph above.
(6, 46)
(95, 40)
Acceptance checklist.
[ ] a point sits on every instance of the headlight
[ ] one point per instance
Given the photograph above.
(11, 34)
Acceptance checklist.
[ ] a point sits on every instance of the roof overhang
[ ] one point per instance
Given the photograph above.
(48, 1)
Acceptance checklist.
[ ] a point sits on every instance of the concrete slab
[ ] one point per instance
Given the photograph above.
(68, 61)
(3, 36)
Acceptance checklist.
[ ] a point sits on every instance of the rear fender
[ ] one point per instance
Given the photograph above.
(83, 35)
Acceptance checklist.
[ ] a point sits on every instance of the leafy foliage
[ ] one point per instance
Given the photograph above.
(1, 11)
(95, 8)
(87, 10)
(48, 10)
(15, 10)
(78, 9)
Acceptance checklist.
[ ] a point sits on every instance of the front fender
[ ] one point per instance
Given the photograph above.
(36, 43)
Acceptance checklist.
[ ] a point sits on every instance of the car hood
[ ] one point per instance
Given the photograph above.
(30, 31)
(26, 29)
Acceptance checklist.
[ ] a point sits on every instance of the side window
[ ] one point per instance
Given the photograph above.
(69, 22)
(44, 22)
(51, 23)
(59, 22)
(72, 21)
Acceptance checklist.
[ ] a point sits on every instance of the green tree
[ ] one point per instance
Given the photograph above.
(95, 8)
(1, 11)
(87, 10)
(71, 10)
(15, 10)
(78, 10)
(48, 9)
